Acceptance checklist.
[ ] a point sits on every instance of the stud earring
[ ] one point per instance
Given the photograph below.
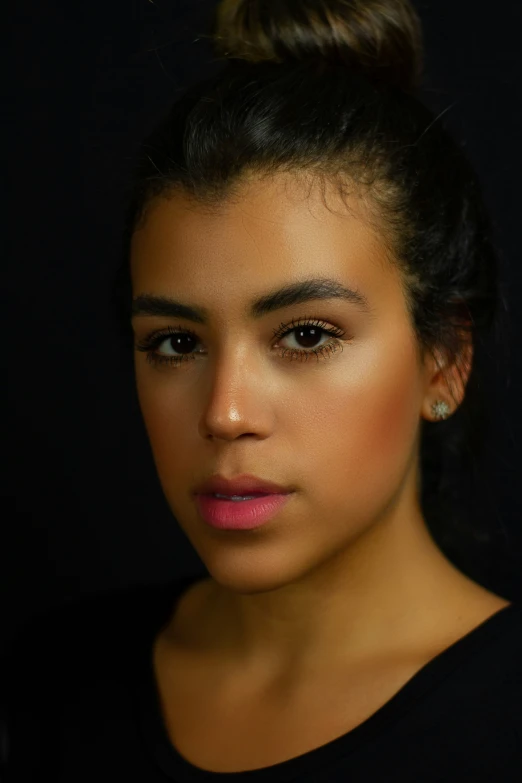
(440, 409)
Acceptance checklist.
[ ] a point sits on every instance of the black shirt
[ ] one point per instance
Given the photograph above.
(82, 707)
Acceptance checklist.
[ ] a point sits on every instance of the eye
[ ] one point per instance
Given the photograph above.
(308, 332)
(169, 346)
(176, 345)
(304, 336)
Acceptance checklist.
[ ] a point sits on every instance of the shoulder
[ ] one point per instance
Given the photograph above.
(487, 628)
(488, 673)
(484, 696)
(504, 647)
(492, 631)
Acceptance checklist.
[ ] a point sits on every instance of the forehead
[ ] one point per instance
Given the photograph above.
(273, 231)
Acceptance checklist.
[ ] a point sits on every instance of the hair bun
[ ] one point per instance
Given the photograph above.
(382, 37)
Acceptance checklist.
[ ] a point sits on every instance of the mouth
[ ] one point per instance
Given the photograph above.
(240, 512)
(239, 488)
(239, 498)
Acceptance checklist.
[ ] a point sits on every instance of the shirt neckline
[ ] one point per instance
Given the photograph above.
(176, 767)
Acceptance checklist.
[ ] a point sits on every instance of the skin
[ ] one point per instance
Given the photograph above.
(348, 572)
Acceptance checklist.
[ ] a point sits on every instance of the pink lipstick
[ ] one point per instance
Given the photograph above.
(238, 514)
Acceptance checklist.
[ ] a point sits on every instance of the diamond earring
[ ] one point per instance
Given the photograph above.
(440, 409)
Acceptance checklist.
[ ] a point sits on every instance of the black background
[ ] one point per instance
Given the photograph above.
(85, 81)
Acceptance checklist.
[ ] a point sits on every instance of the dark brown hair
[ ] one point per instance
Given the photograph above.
(379, 36)
(329, 88)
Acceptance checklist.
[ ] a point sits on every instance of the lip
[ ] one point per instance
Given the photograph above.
(245, 484)
(242, 514)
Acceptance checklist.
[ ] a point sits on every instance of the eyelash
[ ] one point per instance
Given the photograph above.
(152, 341)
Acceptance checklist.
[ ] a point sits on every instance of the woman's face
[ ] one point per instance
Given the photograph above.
(339, 427)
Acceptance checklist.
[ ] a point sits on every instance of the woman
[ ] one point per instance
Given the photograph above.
(309, 263)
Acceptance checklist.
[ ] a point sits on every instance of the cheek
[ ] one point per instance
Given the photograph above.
(396, 401)
(365, 429)
(390, 423)
(165, 418)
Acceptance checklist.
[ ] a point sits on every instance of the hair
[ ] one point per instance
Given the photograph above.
(329, 89)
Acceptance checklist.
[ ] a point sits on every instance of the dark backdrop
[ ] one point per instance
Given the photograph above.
(85, 81)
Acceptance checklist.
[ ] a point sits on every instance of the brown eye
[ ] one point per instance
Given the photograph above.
(181, 343)
(306, 336)
(302, 340)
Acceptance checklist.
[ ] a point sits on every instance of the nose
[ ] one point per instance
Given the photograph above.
(236, 404)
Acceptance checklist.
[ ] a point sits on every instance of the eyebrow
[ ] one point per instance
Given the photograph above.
(293, 293)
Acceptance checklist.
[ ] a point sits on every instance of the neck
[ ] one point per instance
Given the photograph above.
(390, 591)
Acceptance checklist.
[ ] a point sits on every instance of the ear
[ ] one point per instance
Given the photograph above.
(446, 381)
